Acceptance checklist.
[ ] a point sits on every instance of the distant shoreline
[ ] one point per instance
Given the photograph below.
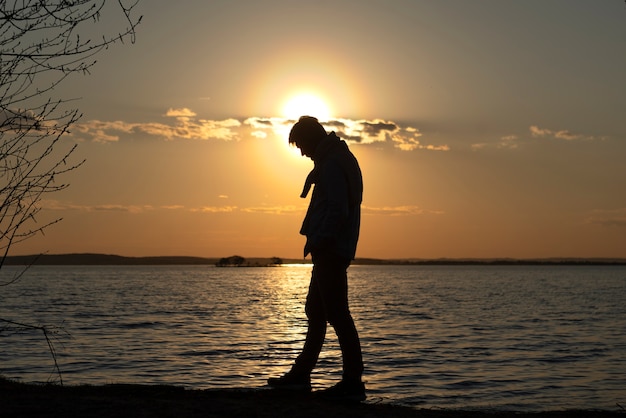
(89, 259)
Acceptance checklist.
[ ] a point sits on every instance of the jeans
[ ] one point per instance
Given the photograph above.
(327, 301)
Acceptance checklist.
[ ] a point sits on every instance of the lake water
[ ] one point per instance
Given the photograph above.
(526, 338)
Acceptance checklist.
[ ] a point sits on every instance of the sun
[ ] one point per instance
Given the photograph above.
(306, 104)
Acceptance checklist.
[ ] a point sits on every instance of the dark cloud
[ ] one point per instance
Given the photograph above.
(376, 128)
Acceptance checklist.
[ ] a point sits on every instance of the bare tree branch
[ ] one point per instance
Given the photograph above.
(42, 43)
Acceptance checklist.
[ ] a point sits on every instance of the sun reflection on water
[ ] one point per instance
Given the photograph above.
(284, 318)
(289, 287)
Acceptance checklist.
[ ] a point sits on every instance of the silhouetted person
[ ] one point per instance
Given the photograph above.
(331, 226)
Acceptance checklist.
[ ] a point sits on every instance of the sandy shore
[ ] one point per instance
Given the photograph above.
(25, 401)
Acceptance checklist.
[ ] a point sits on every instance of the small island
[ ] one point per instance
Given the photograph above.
(239, 261)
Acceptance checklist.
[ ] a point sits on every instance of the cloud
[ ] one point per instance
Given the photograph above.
(508, 141)
(402, 210)
(274, 210)
(122, 208)
(393, 210)
(512, 141)
(504, 142)
(264, 123)
(536, 131)
(612, 218)
(137, 209)
(564, 134)
(378, 127)
(56, 205)
(180, 113)
(184, 123)
(214, 209)
(134, 209)
(20, 120)
(374, 131)
(185, 126)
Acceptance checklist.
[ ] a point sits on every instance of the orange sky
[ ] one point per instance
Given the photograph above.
(483, 129)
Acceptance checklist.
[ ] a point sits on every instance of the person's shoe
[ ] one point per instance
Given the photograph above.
(353, 391)
(291, 381)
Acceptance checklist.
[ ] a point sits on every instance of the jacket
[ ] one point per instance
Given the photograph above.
(333, 219)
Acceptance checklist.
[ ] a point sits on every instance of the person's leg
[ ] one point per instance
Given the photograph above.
(332, 281)
(299, 377)
(350, 348)
(316, 331)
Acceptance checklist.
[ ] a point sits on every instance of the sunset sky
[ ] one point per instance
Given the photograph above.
(484, 128)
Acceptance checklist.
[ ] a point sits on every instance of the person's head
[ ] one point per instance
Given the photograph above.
(306, 134)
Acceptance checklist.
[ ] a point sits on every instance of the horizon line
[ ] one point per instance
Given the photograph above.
(95, 258)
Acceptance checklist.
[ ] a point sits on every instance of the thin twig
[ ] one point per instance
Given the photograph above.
(19, 326)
